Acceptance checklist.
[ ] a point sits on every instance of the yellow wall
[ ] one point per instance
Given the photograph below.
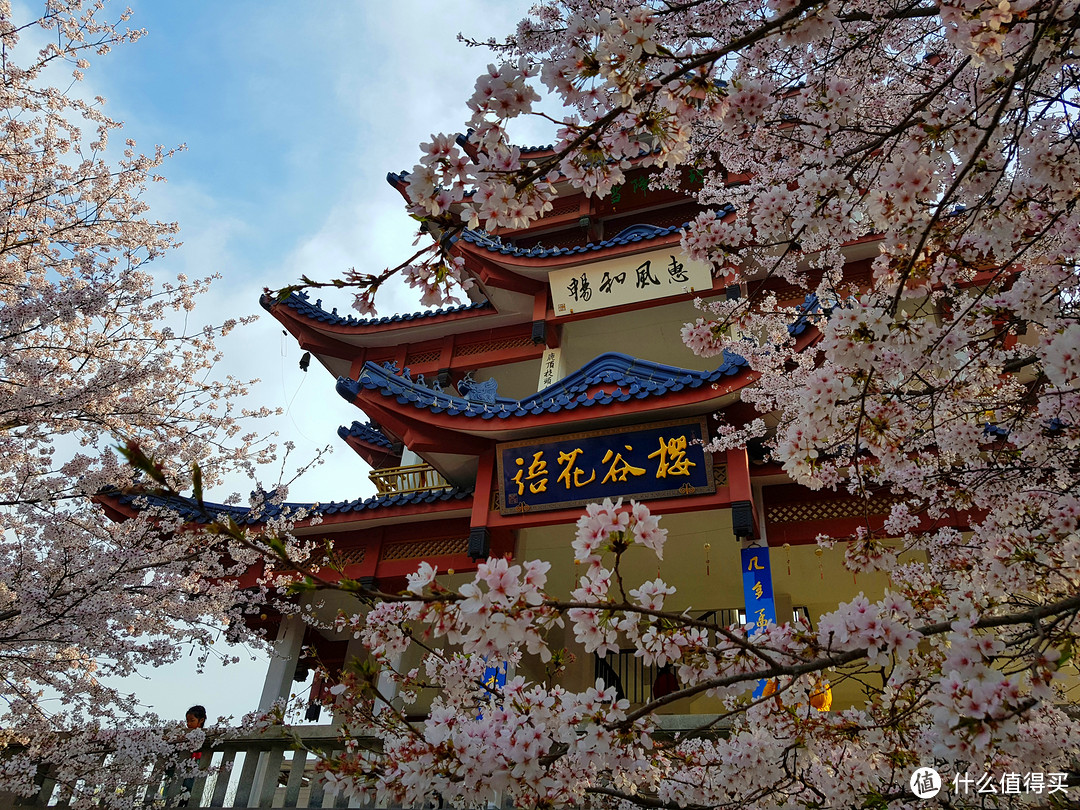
(705, 579)
(650, 334)
(801, 577)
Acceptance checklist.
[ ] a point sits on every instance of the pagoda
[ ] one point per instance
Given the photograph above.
(564, 380)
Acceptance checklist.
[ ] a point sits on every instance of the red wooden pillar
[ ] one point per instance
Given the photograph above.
(744, 519)
(479, 536)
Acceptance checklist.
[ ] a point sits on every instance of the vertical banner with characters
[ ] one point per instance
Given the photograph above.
(758, 592)
(551, 368)
(494, 679)
(495, 676)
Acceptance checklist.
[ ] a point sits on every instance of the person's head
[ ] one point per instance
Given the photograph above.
(196, 717)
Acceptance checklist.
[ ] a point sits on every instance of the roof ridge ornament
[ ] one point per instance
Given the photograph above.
(478, 392)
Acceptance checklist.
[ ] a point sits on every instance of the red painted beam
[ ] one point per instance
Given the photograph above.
(721, 499)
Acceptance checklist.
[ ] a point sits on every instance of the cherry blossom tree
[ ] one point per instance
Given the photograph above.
(95, 351)
(943, 133)
(971, 692)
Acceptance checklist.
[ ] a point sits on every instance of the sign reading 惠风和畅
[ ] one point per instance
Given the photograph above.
(661, 460)
(626, 280)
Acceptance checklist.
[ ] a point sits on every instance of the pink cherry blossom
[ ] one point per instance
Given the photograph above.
(422, 578)
(892, 193)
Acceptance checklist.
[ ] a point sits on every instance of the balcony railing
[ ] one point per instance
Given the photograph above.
(258, 770)
(634, 680)
(401, 480)
(254, 771)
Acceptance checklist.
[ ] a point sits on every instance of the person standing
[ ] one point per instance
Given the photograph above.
(195, 717)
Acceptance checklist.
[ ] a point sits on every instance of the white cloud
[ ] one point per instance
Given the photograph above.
(293, 115)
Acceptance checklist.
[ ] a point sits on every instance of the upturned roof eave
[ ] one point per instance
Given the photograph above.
(421, 416)
(425, 428)
(537, 266)
(325, 517)
(374, 455)
(333, 325)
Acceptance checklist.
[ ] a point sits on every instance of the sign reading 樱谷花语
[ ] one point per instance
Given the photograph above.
(626, 280)
(661, 460)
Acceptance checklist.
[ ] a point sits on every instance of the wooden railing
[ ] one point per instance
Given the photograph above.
(632, 678)
(261, 770)
(414, 478)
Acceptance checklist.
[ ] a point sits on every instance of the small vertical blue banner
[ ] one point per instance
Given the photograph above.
(495, 676)
(758, 592)
(494, 679)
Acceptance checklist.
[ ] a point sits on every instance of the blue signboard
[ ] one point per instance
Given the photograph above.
(758, 592)
(495, 676)
(662, 460)
(495, 680)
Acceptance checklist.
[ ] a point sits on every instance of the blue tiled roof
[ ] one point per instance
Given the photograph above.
(301, 303)
(189, 510)
(401, 178)
(463, 139)
(810, 306)
(1053, 427)
(627, 236)
(367, 432)
(635, 233)
(613, 377)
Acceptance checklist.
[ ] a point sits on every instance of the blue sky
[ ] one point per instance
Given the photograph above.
(292, 114)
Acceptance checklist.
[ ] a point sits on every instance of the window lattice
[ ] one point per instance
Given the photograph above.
(350, 556)
(663, 218)
(784, 291)
(422, 357)
(426, 548)
(571, 237)
(494, 346)
(338, 557)
(828, 509)
(564, 208)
